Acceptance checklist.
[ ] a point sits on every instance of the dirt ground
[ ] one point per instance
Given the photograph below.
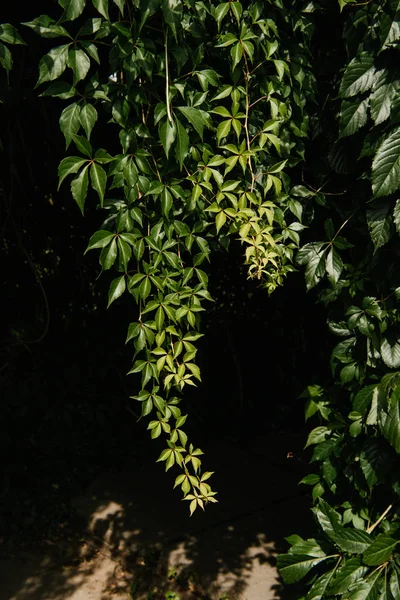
(132, 537)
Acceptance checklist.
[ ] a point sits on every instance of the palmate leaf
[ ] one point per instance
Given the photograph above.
(386, 166)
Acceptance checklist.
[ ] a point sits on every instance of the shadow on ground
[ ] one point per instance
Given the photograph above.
(133, 537)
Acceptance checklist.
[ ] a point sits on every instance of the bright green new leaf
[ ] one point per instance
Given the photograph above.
(98, 179)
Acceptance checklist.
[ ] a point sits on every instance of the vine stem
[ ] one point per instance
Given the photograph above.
(383, 515)
(167, 78)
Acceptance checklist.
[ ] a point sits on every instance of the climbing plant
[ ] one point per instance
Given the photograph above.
(184, 119)
(195, 125)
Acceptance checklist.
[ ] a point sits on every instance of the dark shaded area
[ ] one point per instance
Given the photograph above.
(66, 413)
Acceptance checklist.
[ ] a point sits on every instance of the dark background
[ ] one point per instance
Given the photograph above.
(65, 409)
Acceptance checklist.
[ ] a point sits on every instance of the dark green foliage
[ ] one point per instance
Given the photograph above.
(215, 128)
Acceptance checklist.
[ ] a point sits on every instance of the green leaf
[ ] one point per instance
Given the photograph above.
(46, 27)
(349, 572)
(317, 435)
(72, 9)
(351, 540)
(381, 99)
(53, 64)
(353, 116)
(327, 517)
(220, 12)
(108, 255)
(100, 239)
(236, 54)
(220, 220)
(167, 135)
(79, 187)
(390, 424)
(147, 9)
(390, 351)
(374, 462)
(79, 62)
(102, 7)
(83, 145)
(292, 568)
(88, 117)
(182, 143)
(98, 179)
(396, 216)
(386, 166)
(380, 550)
(313, 257)
(367, 590)
(5, 58)
(334, 265)
(117, 288)
(318, 590)
(166, 201)
(379, 221)
(9, 34)
(359, 75)
(69, 165)
(196, 117)
(70, 121)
